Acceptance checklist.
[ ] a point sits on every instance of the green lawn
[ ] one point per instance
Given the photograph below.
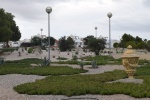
(89, 84)
(23, 67)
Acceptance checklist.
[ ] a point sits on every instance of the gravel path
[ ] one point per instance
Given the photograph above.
(7, 82)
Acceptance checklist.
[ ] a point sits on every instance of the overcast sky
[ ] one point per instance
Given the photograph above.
(79, 17)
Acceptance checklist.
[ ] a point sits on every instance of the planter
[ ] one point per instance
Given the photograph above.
(130, 61)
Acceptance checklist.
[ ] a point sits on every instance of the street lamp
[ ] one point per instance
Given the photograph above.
(109, 16)
(49, 10)
(41, 35)
(96, 32)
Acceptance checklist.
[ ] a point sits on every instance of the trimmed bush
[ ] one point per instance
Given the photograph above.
(30, 50)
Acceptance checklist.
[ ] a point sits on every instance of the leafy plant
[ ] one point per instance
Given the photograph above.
(74, 57)
(81, 63)
(30, 50)
(45, 62)
(94, 64)
(2, 61)
(76, 52)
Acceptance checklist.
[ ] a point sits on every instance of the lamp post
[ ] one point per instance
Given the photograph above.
(96, 32)
(49, 10)
(41, 35)
(109, 16)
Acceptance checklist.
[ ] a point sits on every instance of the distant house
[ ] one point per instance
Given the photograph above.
(25, 43)
(56, 44)
(107, 42)
(78, 41)
(14, 43)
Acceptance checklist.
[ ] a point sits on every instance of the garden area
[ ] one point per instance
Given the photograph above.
(65, 80)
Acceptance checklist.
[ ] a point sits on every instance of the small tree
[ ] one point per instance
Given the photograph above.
(116, 45)
(96, 45)
(66, 44)
(63, 44)
(70, 43)
(36, 41)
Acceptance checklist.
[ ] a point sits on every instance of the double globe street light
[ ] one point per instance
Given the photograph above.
(49, 10)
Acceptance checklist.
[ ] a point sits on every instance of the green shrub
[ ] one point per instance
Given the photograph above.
(76, 52)
(45, 62)
(74, 57)
(61, 58)
(81, 63)
(30, 50)
(94, 64)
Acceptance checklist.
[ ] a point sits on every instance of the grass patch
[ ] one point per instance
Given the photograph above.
(103, 60)
(89, 84)
(70, 85)
(8, 49)
(26, 61)
(143, 70)
(67, 62)
(23, 67)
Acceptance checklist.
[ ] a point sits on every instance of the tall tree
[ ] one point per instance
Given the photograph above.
(7, 22)
(126, 38)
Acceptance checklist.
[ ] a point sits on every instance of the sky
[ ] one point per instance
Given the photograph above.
(80, 17)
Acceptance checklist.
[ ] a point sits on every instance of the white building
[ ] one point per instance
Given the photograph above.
(14, 43)
(1, 44)
(78, 41)
(107, 41)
